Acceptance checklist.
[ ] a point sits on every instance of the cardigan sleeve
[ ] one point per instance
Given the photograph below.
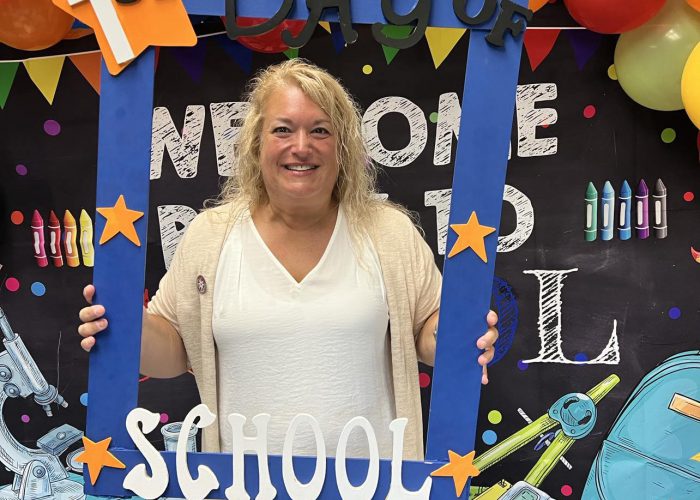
(164, 302)
(428, 283)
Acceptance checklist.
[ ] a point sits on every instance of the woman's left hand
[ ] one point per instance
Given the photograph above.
(486, 342)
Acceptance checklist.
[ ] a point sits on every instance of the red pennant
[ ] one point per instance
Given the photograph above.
(538, 44)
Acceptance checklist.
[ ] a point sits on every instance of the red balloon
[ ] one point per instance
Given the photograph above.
(270, 42)
(32, 24)
(613, 16)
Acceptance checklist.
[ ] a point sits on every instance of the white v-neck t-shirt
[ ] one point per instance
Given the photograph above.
(319, 346)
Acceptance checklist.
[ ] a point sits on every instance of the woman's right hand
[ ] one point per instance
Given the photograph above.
(92, 319)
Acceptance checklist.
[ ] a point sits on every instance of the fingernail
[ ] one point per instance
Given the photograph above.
(103, 323)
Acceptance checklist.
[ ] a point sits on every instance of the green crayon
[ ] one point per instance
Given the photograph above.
(591, 228)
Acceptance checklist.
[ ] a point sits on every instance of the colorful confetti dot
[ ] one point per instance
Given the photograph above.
(433, 117)
(12, 284)
(164, 417)
(25, 419)
(668, 135)
(52, 127)
(522, 366)
(38, 288)
(612, 72)
(589, 111)
(17, 217)
(84, 399)
(367, 69)
(424, 380)
(495, 417)
(688, 196)
(567, 490)
(21, 169)
(674, 313)
(581, 357)
(489, 437)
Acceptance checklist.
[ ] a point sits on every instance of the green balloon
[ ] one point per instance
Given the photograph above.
(649, 60)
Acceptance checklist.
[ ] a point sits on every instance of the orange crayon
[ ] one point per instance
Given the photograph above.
(70, 239)
(55, 240)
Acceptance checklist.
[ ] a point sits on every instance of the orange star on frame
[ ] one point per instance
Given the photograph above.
(471, 235)
(123, 31)
(96, 456)
(460, 469)
(120, 219)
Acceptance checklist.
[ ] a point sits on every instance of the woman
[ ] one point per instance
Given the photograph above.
(300, 291)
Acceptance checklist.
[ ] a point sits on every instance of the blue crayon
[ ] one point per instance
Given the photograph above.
(608, 216)
(625, 199)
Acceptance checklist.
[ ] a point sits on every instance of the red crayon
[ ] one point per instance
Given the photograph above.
(55, 240)
(69, 239)
(38, 240)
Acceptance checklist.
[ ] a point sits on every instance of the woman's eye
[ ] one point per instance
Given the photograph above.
(280, 130)
(320, 130)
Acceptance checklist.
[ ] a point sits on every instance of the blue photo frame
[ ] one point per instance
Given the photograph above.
(126, 107)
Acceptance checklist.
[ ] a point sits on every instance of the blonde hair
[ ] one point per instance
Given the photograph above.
(355, 187)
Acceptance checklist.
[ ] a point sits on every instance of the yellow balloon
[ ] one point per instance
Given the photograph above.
(690, 86)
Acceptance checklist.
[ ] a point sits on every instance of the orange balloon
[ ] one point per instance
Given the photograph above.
(694, 4)
(32, 24)
(535, 5)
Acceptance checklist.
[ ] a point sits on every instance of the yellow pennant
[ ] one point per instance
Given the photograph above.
(45, 73)
(325, 25)
(441, 41)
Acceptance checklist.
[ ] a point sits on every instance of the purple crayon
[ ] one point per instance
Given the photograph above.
(642, 196)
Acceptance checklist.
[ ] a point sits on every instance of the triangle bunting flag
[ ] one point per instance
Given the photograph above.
(7, 76)
(538, 44)
(45, 73)
(441, 41)
(292, 52)
(325, 25)
(89, 67)
(585, 43)
(242, 55)
(192, 59)
(393, 31)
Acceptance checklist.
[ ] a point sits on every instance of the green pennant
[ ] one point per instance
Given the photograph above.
(397, 32)
(291, 53)
(7, 76)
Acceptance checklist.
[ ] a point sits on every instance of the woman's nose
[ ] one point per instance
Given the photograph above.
(301, 143)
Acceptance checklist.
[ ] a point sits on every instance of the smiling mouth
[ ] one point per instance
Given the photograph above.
(300, 168)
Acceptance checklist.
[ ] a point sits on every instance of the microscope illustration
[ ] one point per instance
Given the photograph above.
(576, 414)
(39, 473)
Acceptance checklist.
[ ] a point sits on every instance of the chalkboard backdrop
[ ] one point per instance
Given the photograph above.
(578, 311)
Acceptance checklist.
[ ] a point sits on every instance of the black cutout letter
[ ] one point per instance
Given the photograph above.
(233, 30)
(487, 10)
(316, 8)
(420, 14)
(505, 22)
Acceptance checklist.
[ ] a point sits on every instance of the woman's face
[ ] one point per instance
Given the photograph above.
(298, 149)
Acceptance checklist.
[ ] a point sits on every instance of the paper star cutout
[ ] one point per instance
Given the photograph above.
(96, 456)
(471, 235)
(460, 469)
(123, 31)
(696, 457)
(120, 220)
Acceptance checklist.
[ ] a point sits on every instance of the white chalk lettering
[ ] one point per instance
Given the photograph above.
(549, 324)
(183, 150)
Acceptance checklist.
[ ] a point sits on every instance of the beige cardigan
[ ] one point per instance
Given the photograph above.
(410, 275)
